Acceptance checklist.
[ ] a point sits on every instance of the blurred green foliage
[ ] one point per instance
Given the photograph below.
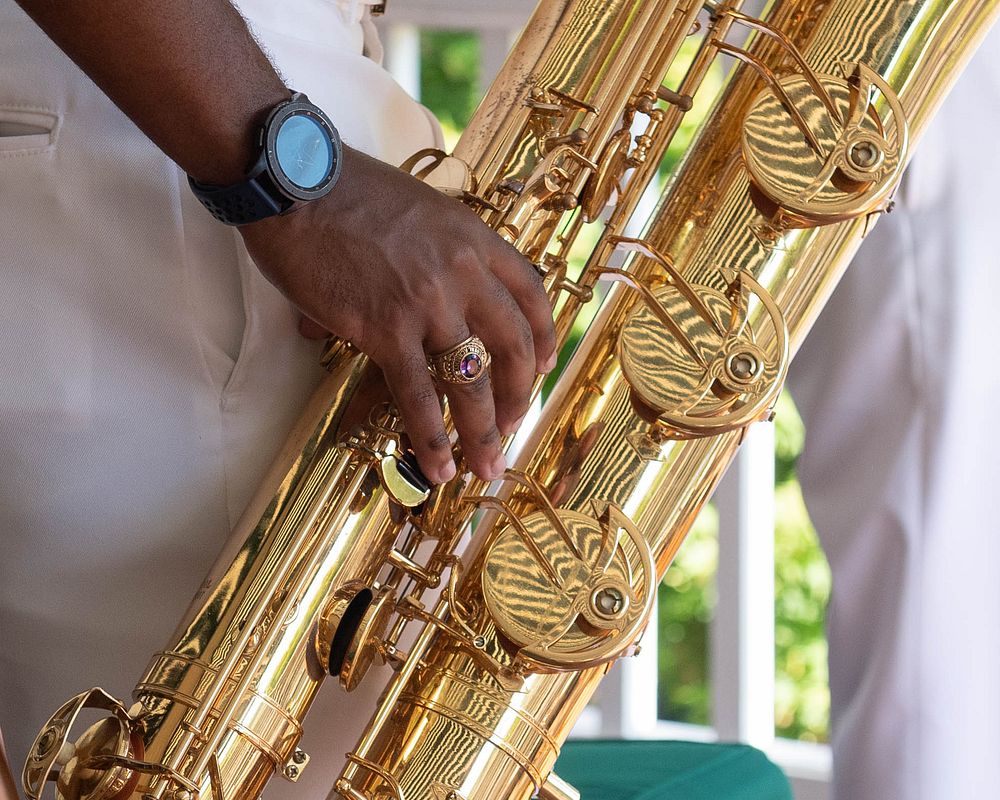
(449, 77)
(449, 87)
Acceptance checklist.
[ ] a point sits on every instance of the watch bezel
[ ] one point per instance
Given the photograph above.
(300, 106)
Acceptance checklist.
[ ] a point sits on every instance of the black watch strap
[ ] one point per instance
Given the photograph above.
(267, 190)
(241, 203)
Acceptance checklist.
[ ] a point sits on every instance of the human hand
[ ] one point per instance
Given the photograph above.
(403, 272)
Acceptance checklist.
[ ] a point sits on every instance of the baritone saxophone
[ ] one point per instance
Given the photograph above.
(347, 557)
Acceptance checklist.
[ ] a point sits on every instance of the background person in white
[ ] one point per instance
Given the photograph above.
(897, 386)
(149, 371)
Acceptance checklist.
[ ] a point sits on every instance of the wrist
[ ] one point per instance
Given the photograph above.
(235, 142)
(298, 157)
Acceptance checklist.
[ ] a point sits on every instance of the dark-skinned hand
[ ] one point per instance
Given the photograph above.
(403, 272)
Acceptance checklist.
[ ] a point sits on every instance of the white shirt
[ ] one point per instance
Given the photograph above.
(148, 373)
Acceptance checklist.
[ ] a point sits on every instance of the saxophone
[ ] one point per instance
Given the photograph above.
(347, 557)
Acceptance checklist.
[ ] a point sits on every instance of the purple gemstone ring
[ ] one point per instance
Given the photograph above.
(465, 363)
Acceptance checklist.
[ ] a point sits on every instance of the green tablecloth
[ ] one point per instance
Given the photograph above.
(654, 770)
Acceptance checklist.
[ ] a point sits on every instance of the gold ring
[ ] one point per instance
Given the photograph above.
(465, 363)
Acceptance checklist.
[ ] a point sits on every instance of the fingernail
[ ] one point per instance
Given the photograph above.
(499, 466)
(550, 362)
(448, 471)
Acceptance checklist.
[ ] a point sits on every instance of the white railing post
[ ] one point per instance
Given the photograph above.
(627, 695)
(742, 631)
(402, 56)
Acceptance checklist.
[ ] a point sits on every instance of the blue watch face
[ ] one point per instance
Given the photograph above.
(304, 151)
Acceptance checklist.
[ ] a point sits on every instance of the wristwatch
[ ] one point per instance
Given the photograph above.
(300, 160)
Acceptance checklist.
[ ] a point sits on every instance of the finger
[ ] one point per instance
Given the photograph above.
(472, 410)
(525, 285)
(508, 338)
(407, 377)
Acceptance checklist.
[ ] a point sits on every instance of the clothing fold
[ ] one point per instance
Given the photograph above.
(148, 372)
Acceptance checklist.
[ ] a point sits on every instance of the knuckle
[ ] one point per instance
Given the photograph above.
(402, 363)
(438, 442)
(431, 295)
(396, 314)
(525, 337)
(514, 335)
(489, 439)
(479, 389)
(422, 398)
(464, 254)
(411, 385)
(520, 267)
(519, 342)
(501, 295)
(547, 338)
(389, 335)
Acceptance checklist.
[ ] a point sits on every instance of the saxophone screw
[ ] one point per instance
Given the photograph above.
(744, 366)
(865, 155)
(479, 642)
(609, 601)
(295, 764)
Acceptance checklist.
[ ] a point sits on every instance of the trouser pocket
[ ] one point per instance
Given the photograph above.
(27, 131)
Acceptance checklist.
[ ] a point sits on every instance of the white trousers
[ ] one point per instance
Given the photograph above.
(148, 373)
(897, 386)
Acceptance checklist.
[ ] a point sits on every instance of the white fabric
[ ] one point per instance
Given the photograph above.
(897, 386)
(148, 373)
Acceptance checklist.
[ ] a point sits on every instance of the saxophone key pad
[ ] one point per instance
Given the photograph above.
(692, 356)
(569, 591)
(844, 145)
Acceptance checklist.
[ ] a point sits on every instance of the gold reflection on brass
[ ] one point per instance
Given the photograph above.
(568, 590)
(850, 162)
(345, 558)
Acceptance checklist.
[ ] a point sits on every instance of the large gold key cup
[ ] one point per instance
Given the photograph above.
(569, 590)
(691, 355)
(842, 153)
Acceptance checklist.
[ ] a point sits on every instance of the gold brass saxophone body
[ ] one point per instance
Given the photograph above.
(345, 557)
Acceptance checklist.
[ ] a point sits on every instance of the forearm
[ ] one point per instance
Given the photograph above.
(422, 278)
(187, 72)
